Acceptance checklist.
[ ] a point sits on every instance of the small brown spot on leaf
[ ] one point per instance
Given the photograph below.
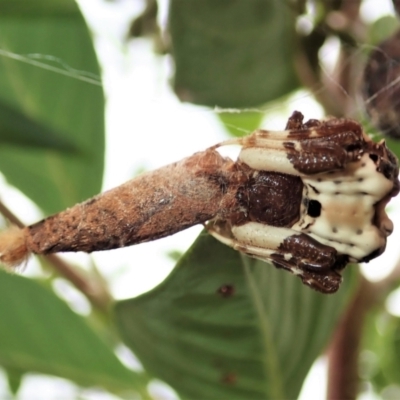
(229, 379)
(226, 290)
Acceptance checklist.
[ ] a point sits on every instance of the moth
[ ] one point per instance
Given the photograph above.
(309, 199)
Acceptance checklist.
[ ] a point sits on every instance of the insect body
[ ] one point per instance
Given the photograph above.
(324, 187)
(309, 199)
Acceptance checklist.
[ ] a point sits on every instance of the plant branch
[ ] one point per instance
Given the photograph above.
(91, 287)
(343, 379)
(344, 348)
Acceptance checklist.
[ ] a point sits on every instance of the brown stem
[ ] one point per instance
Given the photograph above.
(351, 8)
(92, 288)
(344, 349)
(343, 380)
(8, 214)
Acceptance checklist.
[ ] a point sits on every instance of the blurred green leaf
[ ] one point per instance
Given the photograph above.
(221, 328)
(393, 145)
(381, 344)
(40, 333)
(241, 124)
(19, 129)
(14, 379)
(38, 38)
(30, 8)
(232, 53)
(382, 28)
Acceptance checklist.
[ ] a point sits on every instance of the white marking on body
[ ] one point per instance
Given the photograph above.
(347, 208)
(297, 271)
(267, 160)
(260, 235)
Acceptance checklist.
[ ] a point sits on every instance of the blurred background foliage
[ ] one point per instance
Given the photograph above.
(221, 325)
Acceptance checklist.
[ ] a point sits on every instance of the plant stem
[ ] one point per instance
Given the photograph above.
(344, 349)
(343, 379)
(92, 288)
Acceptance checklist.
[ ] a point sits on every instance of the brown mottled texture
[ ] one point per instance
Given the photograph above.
(386, 162)
(150, 206)
(308, 253)
(381, 86)
(295, 122)
(320, 265)
(325, 145)
(270, 198)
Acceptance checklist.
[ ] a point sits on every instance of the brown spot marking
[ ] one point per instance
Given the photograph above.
(359, 232)
(334, 230)
(289, 145)
(226, 290)
(229, 378)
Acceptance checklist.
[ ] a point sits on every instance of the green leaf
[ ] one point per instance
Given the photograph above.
(382, 28)
(40, 333)
(242, 123)
(14, 378)
(232, 53)
(47, 64)
(221, 327)
(19, 129)
(393, 145)
(39, 8)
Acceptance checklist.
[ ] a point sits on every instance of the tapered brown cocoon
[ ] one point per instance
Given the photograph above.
(150, 206)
